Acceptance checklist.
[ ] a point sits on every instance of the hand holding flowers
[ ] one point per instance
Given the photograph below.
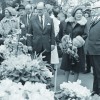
(68, 47)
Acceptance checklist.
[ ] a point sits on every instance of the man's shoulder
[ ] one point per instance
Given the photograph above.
(47, 16)
(33, 16)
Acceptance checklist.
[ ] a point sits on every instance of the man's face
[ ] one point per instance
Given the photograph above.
(98, 12)
(28, 10)
(40, 8)
(40, 11)
(93, 12)
(21, 12)
(61, 17)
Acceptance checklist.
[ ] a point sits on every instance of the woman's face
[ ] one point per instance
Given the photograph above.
(86, 15)
(7, 14)
(69, 13)
(78, 15)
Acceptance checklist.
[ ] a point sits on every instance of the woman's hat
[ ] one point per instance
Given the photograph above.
(75, 9)
(11, 10)
(88, 11)
(21, 7)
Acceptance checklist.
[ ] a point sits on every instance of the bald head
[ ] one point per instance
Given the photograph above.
(40, 8)
(28, 9)
(40, 5)
(28, 6)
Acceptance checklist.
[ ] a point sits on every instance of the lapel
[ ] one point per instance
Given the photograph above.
(38, 22)
(95, 21)
(46, 21)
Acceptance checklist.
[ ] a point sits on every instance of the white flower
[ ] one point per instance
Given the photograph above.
(2, 48)
(47, 73)
(35, 91)
(73, 89)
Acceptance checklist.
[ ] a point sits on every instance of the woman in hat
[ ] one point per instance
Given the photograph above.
(9, 24)
(75, 29)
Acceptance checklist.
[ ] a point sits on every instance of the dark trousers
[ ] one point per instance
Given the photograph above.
(88, 64)
(95, 62)
(46, 54)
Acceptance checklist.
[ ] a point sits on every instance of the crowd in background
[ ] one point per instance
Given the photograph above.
(73, 21)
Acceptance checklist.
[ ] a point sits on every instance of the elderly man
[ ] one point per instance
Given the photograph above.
(92, 48)
(41, 33)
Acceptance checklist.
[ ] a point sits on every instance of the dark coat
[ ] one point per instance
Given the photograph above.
(78, 29)
(1, 41)
(1, 16)
(40, 38)
(92, 46)
(59, 37)
(24, 29)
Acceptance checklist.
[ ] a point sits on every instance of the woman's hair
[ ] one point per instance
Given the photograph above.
(88, 12)
(9, 12)
(76, 9)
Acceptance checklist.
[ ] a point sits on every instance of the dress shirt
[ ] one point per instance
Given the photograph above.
(43, 19)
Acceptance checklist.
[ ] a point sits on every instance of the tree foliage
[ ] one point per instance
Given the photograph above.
(52, 2)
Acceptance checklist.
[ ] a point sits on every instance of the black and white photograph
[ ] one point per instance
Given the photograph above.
(49, 49)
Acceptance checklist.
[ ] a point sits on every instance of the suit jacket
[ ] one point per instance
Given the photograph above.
(41, 38)
(24, 29)
(1, 16)
(92, 46)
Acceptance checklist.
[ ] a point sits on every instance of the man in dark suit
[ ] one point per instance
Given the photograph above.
(24, 20)
(92, 48)
(41, 33)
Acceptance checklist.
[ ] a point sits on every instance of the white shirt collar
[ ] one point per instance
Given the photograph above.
(43, 18)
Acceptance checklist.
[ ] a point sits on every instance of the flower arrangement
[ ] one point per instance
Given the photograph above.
(16, 91)
(19, 66)
(74, 91)
(22, 68)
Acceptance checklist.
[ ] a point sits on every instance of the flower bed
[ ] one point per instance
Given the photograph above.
(22, 68)
(19, 66)
(73, 91)
(16, 91)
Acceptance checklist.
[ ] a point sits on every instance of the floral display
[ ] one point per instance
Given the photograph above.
(74, 91)
(19, 66)
(16, 91)
(12, 46)
(22, 68)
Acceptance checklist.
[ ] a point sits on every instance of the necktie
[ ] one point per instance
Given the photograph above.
(28, 19)
(41, 20)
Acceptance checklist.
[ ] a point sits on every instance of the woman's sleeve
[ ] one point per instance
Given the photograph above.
(85, 34)
(1, 28)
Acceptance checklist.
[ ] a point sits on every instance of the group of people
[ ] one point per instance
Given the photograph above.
(44, 26)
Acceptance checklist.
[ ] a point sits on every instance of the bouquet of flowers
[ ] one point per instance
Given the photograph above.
(73, 91)
(16, 91)
(68, 47)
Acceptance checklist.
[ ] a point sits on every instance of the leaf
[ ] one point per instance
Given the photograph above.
(17, 80)
(43, 80)
(34, 79)
(14, 74)
(24, 79)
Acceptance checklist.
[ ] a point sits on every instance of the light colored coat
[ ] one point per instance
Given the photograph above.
(7, 25)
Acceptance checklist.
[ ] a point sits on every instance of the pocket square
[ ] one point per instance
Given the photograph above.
(48, 24)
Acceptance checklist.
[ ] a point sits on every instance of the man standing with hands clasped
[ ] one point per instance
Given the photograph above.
(41, 35)
(92, 48)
